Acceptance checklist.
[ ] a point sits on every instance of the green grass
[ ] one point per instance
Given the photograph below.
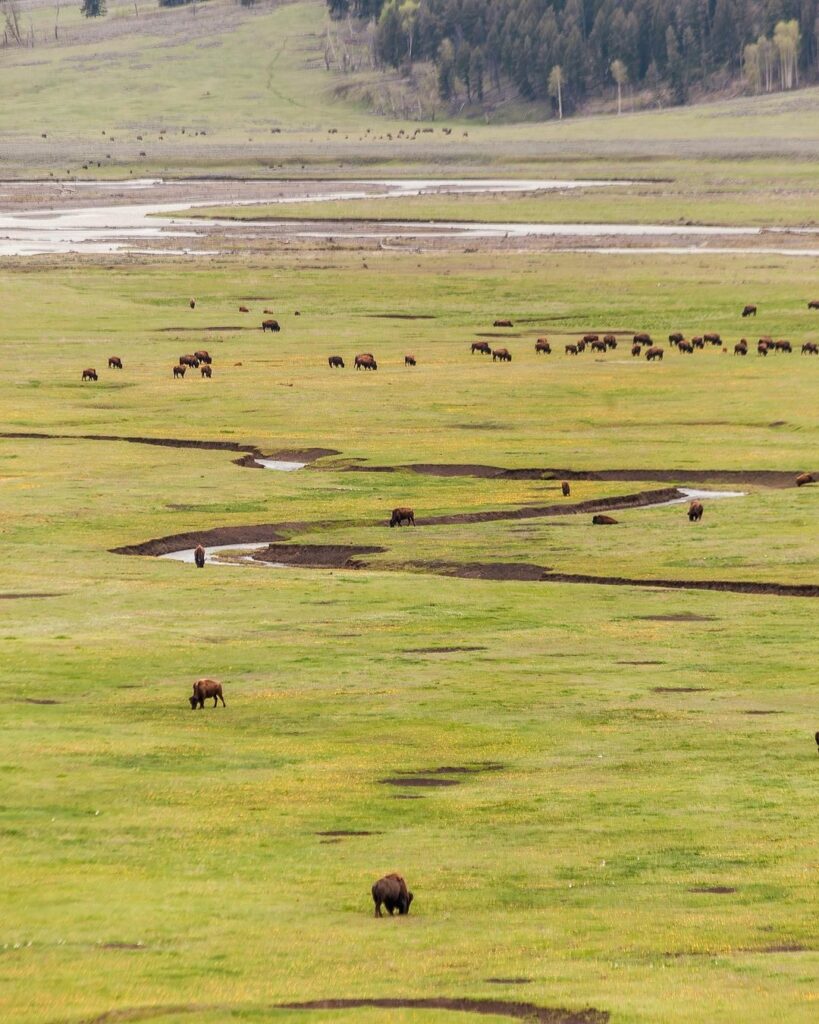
(127, 818)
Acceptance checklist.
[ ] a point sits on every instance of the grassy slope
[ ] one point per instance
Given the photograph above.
(129, 819)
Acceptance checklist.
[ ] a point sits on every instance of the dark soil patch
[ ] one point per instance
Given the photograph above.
(639, 663)
(778, 423)
(439, 650)
(199, 330)
(400, 316)
(348, 832)
(40, 700)
(754, 711)
(728, 586)
(122, 945)
(11, 596)
(508, 981)
(679, 617)
(480, 426)
(418, 780)
(720, 890)
(681, 689)
(316, 556)
(788, 947)
(324, 842)
(519, 571)
(485, 1007)
(498, 334)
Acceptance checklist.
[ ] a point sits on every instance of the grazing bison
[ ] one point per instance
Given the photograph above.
(178, 371)
(741, 348)
(655, 352)
(503, 354)
(783, 346)
(392, 892)
(749, 311)
(482, 347)
(571, 350)
(206, 371)
(804, 478)
(642, 339)
(243, 309)
(581, 346)
(542, 345)
(192, 303)
(698, 342)
(114, 363)
(685, 346)
(675, 339)
(589, 338)
(610, 340)
(204, 689)
(636, 350)
(365, 361)
(335, 361)
(270, 325)
(89, 374)
(816, 737)
(762, 347)
(199, 556)
(600, 520)
(409, 360)
(203, 356)
(599, 346)
(712, 339)
(810, 349)
(813, 304)
(565, 488)
(503, 323)
(402, 515)
(189, 360)
(695, 511)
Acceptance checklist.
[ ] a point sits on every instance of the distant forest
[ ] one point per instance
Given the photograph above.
(571, 51)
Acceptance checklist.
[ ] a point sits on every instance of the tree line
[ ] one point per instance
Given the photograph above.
(567, 51)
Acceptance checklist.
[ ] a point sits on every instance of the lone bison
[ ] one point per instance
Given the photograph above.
(804, 478)
(695, 511)
(409, 360)
(206, 371)
(335, 362)
(503, 323)
(199, 557)
(542, 345)
(365, 361)
(565, 488)
(503, 354)
(89, 374)
(192, 303)
(655, 352)
(402, 515)
(270, 325)
(813, 304)
(392, 892)
(600, 520)
(749, 311)
(482, 347)
(204, 689)
(114, 363)
(178, 371)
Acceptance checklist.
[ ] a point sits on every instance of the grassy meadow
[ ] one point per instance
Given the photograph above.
(653, 744)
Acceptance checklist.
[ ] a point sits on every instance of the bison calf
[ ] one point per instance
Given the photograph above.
(204, 689)
(392, 892)
(402, 515)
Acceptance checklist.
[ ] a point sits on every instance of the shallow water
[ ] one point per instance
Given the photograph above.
(283, 466)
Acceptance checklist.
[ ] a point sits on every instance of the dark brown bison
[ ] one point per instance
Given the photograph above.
(243, 309)
(581, 346)
(600, 520)
(203, 356)
(589, 338)
(392, 892)
(206, 371)
(565, 488)
(402, 515)
(189, 360)
(810, 349)
(636, 350)
(741, 348)
(542, 345)
(599, 346)
(199, 556)
(642, 339)
(192, 303)
(204, 689)
(270, 325)
(178, 371)
(695, 511)
(482, 347)
(813, 304)
(409, 360)
(783, 346)
(749, 311)
(610, 340)
(816, 737)
(712, 339)
(503, 354)
(114, 363)
(804, 478)
(655, 352)
(571, 350)
(762, 348)
(698, 342)
(685, 346)
(335, 362)
(365, 361)
(675, 339)
(503, 323)
(89, 374)
(268, 312)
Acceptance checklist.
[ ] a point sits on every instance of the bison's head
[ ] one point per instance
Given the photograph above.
(404, 903)
(194, 702)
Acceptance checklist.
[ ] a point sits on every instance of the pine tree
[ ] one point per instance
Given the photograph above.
(93, 8)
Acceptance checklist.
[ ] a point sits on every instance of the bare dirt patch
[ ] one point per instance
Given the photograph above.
(40, 700)
(199, 330)
(400, 316)
(440, 650)
(681, 689)
(485, 1007)
(515, 571)
(679, 617)
(418, 780)
(508, 981)
(719, 890)
(639, 663)
(316, 556)
(755, 711)
(343, 832)
(15, 596)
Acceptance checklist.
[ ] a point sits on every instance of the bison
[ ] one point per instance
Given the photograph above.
(783, 346)
(206, 371)
(712, 339)
(402, 515)
(189, 360)
(762, 347)
(89, 374)
(655, 352)
(813, 304)
(203, 356)
(409, 360)
(685, 346)
(199, 556)
(365, 361)
(542, 345)
(636, 350)
(698, 342)
(741, 348)
(565, 488)
(581, 346)
(695, 511)
(243, 309)
(270, 325)
(503, 323)
(589, 338)
(599, 346)
(810, 349)
(178, 371)
(335, 362)
(392, 892)
(642, 339)
(482, 347)
(600, 520)
(192, 303)
(114, 363)
(804, 478)
(204, 689)
(675, 339)
(610, 340)
(571, 350)
(503, 354)
(749, 311)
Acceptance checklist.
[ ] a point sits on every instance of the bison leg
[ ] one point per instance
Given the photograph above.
(222, 699)
(378, 909)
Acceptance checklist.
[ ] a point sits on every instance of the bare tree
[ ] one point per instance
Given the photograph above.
(555, 86)
(619, 72)
(11, 15)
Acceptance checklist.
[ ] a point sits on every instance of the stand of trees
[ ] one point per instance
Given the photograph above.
(668, 45)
